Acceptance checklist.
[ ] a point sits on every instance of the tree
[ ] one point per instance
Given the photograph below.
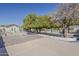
(28, 20)
(67, 15)
(32, 21)
(41, 22)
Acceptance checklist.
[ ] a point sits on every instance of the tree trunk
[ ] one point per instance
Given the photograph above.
(39, 30)
(36, 30)
(51, 29)
(65, 32)
(68, 29)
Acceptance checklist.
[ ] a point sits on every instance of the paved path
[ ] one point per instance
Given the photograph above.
(36, 45)
(17, 39)
(44, 47)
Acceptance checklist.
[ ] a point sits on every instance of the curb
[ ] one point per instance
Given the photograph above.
(60, 38)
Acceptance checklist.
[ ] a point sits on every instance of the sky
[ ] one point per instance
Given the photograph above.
(14, 13)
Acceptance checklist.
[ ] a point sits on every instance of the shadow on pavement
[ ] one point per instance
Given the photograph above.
(3, 51)
(50, 34)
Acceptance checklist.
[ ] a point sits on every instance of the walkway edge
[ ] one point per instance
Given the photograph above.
(59, 38)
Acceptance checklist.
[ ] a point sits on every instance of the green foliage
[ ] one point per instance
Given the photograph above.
(29, 20)
(68, 22)
(32, 21)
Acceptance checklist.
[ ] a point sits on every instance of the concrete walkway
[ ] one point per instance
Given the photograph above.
(32, 44)
(18, 39)
(44, 47)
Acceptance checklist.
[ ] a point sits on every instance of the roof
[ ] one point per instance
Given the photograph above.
(9, 25)
(12, 25)
(2, 25)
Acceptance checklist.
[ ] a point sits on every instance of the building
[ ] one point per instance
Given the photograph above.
(9, 29)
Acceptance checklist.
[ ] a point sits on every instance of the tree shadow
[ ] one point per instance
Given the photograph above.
(30, 32)
(51, 34)
(3, 51)
(45, 33)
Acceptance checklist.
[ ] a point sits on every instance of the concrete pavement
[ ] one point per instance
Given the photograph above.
(35, 45)
(17, 39)
(44, 47)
